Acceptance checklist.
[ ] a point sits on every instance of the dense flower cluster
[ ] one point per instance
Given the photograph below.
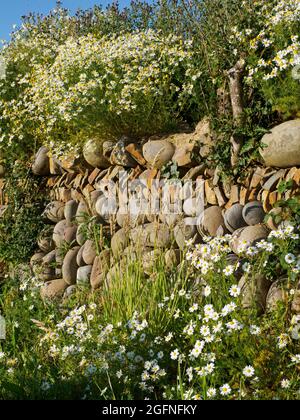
(131, 82)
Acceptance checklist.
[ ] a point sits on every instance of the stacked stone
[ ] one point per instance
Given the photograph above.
(238, 208)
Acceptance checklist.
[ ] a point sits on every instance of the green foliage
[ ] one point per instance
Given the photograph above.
(21, 223)
(140, 336)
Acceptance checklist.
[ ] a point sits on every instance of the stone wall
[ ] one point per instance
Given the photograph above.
(85, 245)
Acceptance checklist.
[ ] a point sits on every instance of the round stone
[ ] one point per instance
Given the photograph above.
(93, 153)
(253, 213)
(81, 235)
(282, 145)
(277, 294)
(185, 230)
(79, 259)
(119, 242)
(158, 152)
(53, 289)
(54, 211)
(247, 236)
(70, 291)
(211, 222)
(70, 234)
(254, 292)
(82, 212)
(233, 218)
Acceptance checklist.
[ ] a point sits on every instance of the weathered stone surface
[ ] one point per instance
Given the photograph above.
(59, 257)
(282, 145)
(274, 218)
(58, 232)
(185, 230)
(233, 218)
(172, 258)
(45, 242)
(69, 268)
(150, 260)
(119, 242)
(296, 301)
(53, 289)
(83, 275)
(157, 235)
(82, 212)
(277, 294)
(93, 153)
(70, 291)
(54, 211)
(36, 259)
(248, 235)
(211, 221)
(158, 153)
(70, 211)
(49, 258)
(183, 155)
(254, 292)
(253, 213)
(100, 267)
(81, 235)
(105, 208)
(41, 164)
(2, 171)
(120, 156)
(79, 258)
(89, 252)
(46, 274)
(70, 234)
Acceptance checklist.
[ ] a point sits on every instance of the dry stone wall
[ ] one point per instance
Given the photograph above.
(85, 245)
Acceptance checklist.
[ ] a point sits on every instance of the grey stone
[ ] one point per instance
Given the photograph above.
(277, 294)
(185, 230)
(119, 242)
(233, 218)
(54, 211)
(83, 275)
(70, 291)
(79, 258)
(70, 234)
(253, 213)
(41, 164)
(58, 232)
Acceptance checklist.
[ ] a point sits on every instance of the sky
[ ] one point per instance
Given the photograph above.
(12, 10)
